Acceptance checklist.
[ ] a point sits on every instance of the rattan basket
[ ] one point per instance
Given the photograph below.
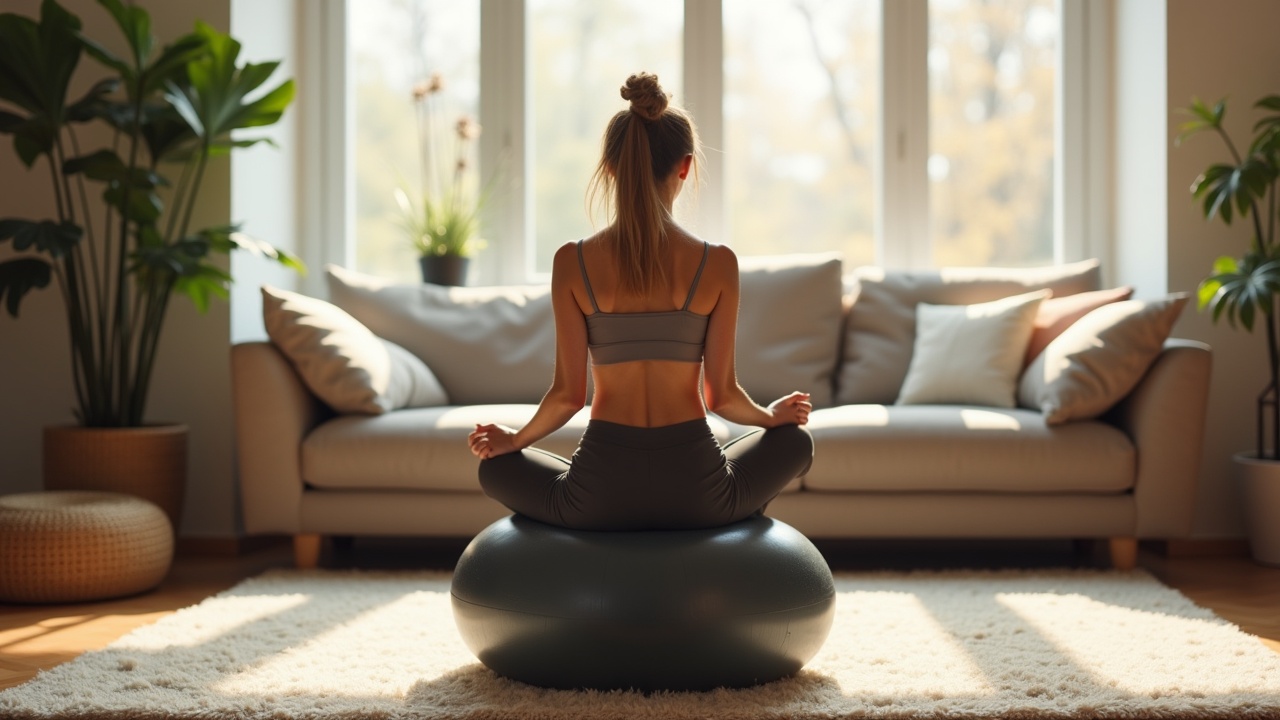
(59, 547)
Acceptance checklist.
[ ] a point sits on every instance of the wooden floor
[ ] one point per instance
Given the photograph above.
(33, 638)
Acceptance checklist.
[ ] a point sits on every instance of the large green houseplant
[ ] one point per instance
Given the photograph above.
(1244, 290)
(122, 241)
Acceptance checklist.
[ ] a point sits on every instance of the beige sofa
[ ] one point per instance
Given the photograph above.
(881, 470)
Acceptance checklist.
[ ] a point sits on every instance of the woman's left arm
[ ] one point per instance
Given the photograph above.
(568, 391)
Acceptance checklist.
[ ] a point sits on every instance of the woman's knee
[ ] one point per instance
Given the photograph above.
(795, 438)
(494, 473)
(796, 443)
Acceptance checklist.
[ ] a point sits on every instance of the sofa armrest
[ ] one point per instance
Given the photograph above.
(274, 411)
(1165, 418)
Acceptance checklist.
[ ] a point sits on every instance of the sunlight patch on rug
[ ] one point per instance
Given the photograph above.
(232, 613)
(883, 668)
(1142, 651)
(1064, 644)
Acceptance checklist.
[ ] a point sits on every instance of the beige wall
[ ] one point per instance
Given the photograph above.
(1217, 50)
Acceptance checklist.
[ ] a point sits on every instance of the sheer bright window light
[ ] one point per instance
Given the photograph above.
(992, 75)
(800, 105)
(396, 47)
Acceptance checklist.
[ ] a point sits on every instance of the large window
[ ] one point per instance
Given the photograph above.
(416, 73)
(992, 70)
(801, 83)
(805, 105)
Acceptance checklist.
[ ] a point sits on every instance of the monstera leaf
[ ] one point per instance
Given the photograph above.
(36, 64)
(19, 277)
(1241, 289)
(214, 97)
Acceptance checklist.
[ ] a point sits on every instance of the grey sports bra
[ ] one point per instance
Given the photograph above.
(622, 337)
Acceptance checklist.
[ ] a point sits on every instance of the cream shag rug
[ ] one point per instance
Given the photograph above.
(1069, 644)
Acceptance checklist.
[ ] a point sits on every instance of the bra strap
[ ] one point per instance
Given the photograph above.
(706, 247)
(587, 281)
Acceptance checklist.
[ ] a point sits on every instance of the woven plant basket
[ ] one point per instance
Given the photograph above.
(78, 546)
(148, 462)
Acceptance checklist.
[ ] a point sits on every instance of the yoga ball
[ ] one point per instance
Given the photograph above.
(731, 606)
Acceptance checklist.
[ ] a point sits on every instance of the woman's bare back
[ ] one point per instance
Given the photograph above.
(650, 393)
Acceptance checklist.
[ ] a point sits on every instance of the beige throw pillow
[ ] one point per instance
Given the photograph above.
(1058, 314)
(1097, 361)
(348, 367)
(881, 327)
(970, 354)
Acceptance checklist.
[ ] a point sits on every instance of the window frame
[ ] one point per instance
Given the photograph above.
(902, 233)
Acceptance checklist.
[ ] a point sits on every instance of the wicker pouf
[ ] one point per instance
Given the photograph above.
(58, 547)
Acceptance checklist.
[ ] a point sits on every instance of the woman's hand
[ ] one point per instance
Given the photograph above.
(792, 409)
(491, 440)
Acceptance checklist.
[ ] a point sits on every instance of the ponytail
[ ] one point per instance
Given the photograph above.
(642, 147)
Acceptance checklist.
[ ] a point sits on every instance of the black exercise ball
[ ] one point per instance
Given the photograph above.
(731, 606)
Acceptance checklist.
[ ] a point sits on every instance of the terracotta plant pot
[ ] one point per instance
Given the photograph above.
(444, 269)
(148, 462)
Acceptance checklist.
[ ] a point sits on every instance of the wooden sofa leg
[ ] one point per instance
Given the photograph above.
(1124, 553)
(306, 551)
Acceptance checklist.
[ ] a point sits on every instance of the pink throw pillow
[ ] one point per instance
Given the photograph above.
(1057, 314)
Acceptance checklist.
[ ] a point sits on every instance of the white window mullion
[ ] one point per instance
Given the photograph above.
(1096, 46)
(1070, 198)
(506, 114)
(902, 213)
(327, 127)
(704, 99)
(1081, 202)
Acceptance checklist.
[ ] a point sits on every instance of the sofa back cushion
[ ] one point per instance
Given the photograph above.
(881, 327)
(789, 325)
(484, 344)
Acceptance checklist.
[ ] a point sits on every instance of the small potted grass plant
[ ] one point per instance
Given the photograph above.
(442, 219)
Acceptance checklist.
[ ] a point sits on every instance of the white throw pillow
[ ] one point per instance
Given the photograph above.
(970, 354)
(1099, 359)
(348, 367)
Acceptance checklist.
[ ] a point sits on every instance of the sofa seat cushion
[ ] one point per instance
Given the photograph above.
(426, 448)
(944, 448)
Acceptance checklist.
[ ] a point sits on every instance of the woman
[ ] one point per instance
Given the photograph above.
(656, 309)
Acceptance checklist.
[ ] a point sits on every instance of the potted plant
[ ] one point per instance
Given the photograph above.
(1244, 290)
(443, 217)
(120, 253)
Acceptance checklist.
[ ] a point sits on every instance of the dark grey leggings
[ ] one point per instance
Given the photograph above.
(665, 478)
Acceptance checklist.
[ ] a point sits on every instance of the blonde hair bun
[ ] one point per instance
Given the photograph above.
(648, 100)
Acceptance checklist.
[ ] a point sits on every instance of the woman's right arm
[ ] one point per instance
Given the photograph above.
(722, 393)
(568, 391)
